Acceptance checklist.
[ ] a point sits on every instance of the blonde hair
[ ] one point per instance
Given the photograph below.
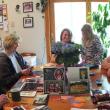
(10, 40)
(89, 35)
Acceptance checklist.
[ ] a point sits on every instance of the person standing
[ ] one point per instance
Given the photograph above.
(92, 49)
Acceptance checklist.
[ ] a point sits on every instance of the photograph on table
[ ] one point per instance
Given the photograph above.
(79, 87)
(18, 108)
(77, 73)
(54, 73)
(54, 87)
(83, 73)
(41, 99)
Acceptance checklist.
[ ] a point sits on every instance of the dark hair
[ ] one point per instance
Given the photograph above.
(69, 33)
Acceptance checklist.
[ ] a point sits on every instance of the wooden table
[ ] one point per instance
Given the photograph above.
(64, 102)
(61, 102)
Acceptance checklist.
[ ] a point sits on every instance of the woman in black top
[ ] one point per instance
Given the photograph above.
(12, 65)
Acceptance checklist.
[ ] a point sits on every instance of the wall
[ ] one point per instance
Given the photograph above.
(33, 39)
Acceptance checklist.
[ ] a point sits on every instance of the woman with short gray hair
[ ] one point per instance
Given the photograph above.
(12, 65)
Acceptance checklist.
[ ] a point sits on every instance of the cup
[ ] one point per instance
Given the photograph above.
(15, 95)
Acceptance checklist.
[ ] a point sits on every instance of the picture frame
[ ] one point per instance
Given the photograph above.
(54, 87)
(83, 73)
(54, 73)
(54, 80)
(27, 7)
(79, 87)
(28, 22)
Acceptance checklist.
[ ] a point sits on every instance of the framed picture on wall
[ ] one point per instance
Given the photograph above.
(27, 7)
(28, 22)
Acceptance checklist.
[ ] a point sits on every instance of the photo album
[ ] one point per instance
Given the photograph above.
(78, 79)
(54, 80)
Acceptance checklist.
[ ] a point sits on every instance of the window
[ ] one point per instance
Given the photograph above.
(94, 6)
(68, 15)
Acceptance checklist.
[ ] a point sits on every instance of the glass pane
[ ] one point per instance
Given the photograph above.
(70, 15)
(94, 7)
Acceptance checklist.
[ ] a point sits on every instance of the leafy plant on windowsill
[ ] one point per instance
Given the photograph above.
(67, 54)
(100, 22)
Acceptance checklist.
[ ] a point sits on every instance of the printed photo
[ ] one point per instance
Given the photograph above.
(83, 73)
(54, 87)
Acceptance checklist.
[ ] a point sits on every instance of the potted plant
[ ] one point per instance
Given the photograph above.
(67, 54)
(100, 22)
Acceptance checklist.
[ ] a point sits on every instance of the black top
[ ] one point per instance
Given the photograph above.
(8, 75)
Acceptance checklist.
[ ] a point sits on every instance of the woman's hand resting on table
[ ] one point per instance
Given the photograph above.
(3, 100)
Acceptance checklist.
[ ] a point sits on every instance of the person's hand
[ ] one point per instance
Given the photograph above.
(3, 100)
(108, 73)
(27, 71)
(105, 64)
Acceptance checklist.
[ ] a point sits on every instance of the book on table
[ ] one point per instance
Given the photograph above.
(41, 99)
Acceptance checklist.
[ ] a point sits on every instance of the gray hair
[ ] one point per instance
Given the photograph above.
(10, 40)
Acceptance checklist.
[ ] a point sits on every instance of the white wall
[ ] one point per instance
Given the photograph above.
(33, 39)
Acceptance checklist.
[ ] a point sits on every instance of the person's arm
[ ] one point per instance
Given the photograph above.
(98, 49)
(53, 51)
(21, 61)
(53, 57)
(8, 75)
(83, 55)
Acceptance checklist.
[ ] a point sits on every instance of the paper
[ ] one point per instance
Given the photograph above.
(82, 109)
(28, 93)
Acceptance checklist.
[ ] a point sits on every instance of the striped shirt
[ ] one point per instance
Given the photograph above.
(92, 54)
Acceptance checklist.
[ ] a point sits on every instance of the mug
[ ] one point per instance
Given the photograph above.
(15, 95)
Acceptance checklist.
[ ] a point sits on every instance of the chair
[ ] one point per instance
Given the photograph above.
(30, 58)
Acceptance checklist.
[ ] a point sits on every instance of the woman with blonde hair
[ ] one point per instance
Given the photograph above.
(92, 48)
(12, 65)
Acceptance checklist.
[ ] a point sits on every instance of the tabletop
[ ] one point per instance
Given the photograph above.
(65, 101)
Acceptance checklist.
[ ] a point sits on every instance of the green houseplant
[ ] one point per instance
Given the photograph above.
(100, 22)
(67, 54)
